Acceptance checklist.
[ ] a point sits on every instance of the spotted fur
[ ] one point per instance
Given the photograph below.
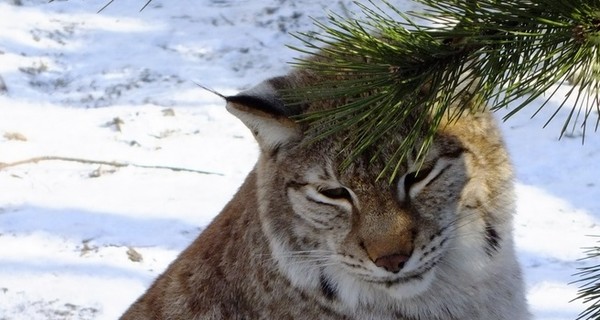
(303, 239)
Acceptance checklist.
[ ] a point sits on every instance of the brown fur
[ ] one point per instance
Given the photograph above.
(303, 240)
(231, 279)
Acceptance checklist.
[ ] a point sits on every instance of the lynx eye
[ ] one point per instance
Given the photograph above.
(415, 177)
(413, 182)
(336, 193)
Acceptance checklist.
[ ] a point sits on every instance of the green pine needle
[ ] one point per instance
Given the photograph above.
(508, 52)
(589, 289)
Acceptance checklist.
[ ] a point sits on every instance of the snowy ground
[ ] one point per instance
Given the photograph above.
(82, 241)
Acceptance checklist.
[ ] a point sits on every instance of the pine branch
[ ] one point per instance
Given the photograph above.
(461, 52)
(589, 281)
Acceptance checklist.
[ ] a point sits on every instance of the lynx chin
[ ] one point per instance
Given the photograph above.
(303, 239)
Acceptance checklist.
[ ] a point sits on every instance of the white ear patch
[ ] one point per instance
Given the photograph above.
(262, 111)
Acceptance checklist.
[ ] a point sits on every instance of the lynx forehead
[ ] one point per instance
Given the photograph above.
(303, 239)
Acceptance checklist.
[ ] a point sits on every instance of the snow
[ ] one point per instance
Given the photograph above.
(84, 240)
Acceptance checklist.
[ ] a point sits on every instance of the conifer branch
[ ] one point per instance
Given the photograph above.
(589, 290)
(455, 52)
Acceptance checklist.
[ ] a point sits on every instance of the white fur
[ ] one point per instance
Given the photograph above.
(269, 131)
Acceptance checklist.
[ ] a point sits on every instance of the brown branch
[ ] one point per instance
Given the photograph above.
(100, 162)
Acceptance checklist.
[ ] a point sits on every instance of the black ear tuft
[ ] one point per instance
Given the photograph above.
(266, 97)
(270, 105)
(265, 114)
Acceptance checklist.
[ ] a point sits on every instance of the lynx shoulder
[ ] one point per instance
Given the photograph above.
(303, 239)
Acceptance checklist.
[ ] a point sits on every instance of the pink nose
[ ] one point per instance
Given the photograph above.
(392, 263)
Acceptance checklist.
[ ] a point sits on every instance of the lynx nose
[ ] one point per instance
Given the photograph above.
(392, 263)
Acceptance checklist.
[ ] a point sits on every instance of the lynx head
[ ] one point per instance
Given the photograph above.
(358, 240)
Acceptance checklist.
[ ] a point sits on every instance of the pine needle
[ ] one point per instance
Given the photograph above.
(589, 285)
(504, 51)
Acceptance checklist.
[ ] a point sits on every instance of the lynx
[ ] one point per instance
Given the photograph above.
(304, 238)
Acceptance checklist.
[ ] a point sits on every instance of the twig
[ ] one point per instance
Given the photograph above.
(111, 1)
(100, 162)
(106, 5)
(144, 7)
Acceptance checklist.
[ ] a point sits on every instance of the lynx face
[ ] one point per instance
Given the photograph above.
(362, 241)
(350, 229)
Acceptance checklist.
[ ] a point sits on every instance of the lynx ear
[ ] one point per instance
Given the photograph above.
(263, 112)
